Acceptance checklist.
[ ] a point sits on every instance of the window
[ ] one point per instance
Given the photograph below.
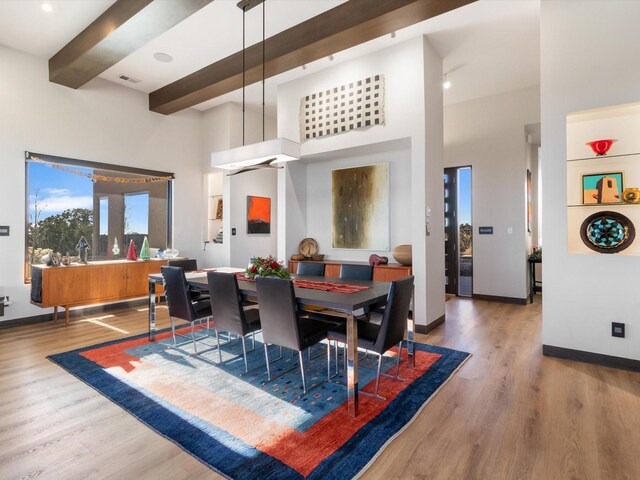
(136, 217)
(104, 226)
(106, 204)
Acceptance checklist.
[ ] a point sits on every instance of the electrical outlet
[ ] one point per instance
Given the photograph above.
(617, 329)
(233, 231)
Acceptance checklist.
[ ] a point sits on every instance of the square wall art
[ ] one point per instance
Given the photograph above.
(360, 204)
(602, 188)
(258, 214)
(357, 104)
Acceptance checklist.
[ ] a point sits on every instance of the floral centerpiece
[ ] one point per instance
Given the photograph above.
(266, 267)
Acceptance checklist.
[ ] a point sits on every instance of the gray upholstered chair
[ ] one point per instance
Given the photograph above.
(180, 305)
(228, 312)
(380, 338)
(282, 324)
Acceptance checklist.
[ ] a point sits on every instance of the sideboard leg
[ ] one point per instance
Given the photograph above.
(55, 314)
(66, 315)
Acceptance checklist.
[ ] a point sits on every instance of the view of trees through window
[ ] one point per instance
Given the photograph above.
(68, 202)
(136, 217)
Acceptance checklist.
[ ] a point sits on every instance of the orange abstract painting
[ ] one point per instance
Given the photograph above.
(258, 214)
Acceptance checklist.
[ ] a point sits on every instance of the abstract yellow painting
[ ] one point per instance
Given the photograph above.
(360, 203)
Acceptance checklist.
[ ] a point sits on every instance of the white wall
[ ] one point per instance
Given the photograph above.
(431, 152)
(590, 59)
(216, 136)
(489, 134)
(260, 183)
(319, 208)
(100, 122)
(222, 129)
(413, 74)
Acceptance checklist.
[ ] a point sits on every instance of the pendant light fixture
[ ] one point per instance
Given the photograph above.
(265, 154)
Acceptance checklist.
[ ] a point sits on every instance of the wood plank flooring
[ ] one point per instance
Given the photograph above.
(509, 413)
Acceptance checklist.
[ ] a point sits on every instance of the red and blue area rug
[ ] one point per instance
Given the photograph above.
(247, 428)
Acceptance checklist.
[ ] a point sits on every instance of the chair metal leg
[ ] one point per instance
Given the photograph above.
(218, 339)
(328, 360)
(304, 385)
(173, 331)
(244, 354)
(266, 357)
(397, 377)
(344, 356)
(253, 340)
(335, 348)
(378, 374)
(193, 335)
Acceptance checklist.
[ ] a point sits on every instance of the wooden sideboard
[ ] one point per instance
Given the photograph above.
(381, 273)
(95, 282)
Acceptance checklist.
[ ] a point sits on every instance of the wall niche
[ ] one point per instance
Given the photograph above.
(603, 180)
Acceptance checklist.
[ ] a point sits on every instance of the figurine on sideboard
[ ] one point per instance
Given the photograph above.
(83, 248)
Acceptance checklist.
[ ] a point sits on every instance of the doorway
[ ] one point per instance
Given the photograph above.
(458, 232)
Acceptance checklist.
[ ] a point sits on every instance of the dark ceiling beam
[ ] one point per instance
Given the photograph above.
(119, 31)
(345, 26)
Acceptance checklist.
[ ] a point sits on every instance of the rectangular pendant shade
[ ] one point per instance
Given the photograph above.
(280, 149)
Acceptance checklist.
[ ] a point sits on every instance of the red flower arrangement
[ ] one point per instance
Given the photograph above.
(266, 267)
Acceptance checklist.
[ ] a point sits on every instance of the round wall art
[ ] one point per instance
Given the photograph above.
(607, 232)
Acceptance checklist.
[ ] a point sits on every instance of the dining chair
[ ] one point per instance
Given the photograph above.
(228, 312)
(189, 265)
(180, 305)
(311, 269)
(282, 323)
(356, 272)
(360, 272)
(380, 338)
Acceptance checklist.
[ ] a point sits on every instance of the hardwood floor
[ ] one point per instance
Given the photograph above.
(509, 413)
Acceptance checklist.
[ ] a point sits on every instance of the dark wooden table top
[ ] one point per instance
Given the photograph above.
(346, 302)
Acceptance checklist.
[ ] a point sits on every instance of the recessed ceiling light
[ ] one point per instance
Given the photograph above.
(163, 57)
(446, 83)
(46, 7)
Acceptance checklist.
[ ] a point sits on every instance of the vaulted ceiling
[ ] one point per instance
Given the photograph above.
(487, 46)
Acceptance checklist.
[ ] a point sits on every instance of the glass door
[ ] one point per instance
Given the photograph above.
(458, 232)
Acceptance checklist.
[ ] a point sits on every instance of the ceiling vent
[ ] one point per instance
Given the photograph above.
(128, 79)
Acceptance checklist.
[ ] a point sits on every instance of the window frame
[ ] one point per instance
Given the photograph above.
(73, 162)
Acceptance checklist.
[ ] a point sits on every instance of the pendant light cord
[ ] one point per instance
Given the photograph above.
(263, 46)
(244, 11)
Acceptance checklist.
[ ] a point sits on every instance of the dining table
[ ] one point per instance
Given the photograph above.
(336, 302)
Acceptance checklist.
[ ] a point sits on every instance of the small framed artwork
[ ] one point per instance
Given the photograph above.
(218, 201)
(258, 214)
(600, 188)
